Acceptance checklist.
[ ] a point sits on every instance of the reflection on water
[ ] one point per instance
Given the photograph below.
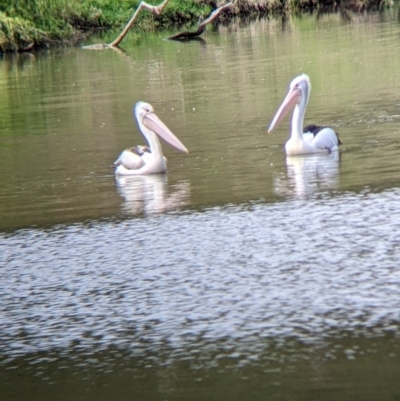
(272, 278)
(308, 174)
(302, 269)
(288, 292)
(67, 113)
(151, 195)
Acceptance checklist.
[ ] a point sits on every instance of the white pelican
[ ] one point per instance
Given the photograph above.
(311, 139)
(147, 159)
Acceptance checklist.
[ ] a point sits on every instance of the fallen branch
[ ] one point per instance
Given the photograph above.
(202, 25)
(156, 10)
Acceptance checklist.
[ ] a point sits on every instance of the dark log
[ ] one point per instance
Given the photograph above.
(202, 25)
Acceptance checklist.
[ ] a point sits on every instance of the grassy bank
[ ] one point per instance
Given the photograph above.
(30, 24)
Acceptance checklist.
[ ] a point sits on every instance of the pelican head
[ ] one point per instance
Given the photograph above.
(299, 92)
(148, 121)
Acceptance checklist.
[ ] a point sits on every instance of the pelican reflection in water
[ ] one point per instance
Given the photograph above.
(311, 139)
(308, 175)
(142, 160)
(150, 194)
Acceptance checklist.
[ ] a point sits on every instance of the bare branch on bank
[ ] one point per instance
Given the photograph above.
(202, 25)
(156, 10)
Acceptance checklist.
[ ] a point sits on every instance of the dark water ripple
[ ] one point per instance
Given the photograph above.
(301, 269)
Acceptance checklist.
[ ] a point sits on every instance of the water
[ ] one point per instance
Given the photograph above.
(241, 274)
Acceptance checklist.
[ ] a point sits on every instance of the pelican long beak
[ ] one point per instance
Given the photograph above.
(292, 99)
(152, 122)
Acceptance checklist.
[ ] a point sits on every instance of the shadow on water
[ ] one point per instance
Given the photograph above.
(358, 369)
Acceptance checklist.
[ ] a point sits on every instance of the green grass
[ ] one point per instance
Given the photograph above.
(53, 22)
(17, 33)
(45, 22)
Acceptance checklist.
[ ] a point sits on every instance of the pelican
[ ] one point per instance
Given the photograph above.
(311, 139)
(149, 159)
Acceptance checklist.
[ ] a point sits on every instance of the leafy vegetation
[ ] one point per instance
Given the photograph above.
(26, 24)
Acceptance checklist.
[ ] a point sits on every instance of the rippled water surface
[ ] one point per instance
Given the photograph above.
(240, 274)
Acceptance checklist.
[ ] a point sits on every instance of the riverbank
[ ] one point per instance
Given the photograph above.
(29, 25)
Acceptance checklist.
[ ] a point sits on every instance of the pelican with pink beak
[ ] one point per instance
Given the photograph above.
(312, 138)
(141, 160)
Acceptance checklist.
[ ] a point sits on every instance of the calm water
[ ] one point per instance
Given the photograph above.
(241, 274)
